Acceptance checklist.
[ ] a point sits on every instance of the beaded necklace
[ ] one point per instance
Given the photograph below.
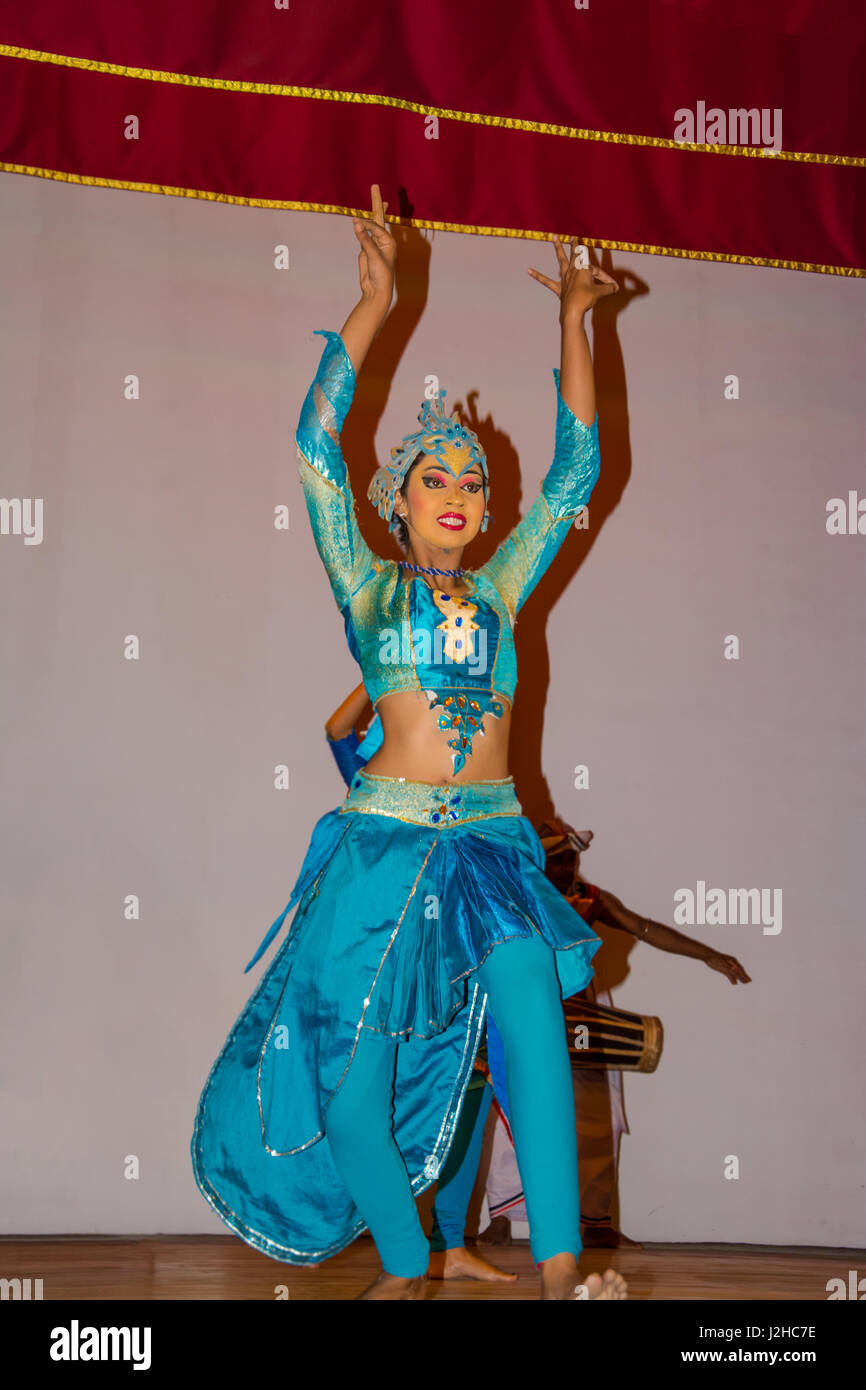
(419, 569)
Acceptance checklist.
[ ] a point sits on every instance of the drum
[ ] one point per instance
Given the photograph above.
(600, 1036)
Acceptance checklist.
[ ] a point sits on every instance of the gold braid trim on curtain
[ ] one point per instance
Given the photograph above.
(611, 137)
(524, 233)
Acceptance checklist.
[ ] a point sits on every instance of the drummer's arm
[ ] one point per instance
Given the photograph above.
(614, 913)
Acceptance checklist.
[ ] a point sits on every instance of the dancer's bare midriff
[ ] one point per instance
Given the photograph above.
(414, 746)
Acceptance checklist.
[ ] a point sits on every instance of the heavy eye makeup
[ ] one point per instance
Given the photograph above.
(436, 480)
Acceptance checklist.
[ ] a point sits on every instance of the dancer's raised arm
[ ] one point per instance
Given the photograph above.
(376, 260)
(525, 554)
(327, 489)
(579, 289)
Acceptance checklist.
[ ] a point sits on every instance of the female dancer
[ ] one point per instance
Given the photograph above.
(336, 1095)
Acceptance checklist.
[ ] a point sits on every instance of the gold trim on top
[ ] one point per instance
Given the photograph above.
(611, 137)
(527, 234)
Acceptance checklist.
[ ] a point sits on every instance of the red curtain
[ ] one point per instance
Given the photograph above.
(626, 124)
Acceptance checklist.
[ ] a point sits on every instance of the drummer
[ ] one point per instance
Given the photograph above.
(597, 1091)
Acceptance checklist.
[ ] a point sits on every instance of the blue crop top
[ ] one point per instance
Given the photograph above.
(405, 635)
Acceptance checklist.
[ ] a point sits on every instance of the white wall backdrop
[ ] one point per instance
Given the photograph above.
(155, 776)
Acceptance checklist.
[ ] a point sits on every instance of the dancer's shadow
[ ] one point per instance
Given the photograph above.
(612, 963)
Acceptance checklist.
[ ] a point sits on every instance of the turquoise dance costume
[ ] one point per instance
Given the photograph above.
(335, 1097)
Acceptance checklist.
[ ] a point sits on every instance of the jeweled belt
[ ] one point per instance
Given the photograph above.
(438, 805)
(430, 803)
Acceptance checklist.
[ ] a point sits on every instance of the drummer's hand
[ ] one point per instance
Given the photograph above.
(579, 288)
(730, 966)
(378, 253)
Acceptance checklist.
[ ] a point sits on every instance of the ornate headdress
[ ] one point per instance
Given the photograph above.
(445, 439)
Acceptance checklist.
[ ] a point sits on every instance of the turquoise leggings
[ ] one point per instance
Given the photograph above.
(459, 1171)
(520, 980)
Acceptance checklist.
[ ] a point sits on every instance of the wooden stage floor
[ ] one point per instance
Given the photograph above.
(223, 1267)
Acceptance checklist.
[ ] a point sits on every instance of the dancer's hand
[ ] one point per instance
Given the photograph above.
(378, 253)
(730, 966)
(579, 288)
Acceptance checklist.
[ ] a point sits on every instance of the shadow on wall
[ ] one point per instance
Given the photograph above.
(373, 387)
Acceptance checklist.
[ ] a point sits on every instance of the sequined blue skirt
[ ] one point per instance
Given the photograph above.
(405, 889)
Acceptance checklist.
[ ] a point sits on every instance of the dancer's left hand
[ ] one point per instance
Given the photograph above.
(579, 288)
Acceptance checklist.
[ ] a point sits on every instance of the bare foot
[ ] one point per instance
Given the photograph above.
(608, 1238)
(395, 1286)
(460, 1263)
(497, 1233)
(560, 1280)
(608, 1285)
